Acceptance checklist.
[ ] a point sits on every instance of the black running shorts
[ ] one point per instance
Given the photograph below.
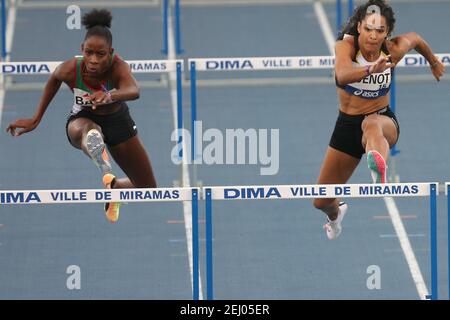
(347, 134)
(116, 127)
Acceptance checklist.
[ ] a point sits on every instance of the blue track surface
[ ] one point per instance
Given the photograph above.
(262, 250)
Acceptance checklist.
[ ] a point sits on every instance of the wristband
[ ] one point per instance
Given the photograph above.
(106, 91)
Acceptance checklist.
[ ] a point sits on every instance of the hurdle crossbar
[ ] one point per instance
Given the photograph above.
(47, 67)
(293, 63)
(94, 195)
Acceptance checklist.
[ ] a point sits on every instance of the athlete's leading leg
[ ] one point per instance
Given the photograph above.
(86, 135)
(379, 135)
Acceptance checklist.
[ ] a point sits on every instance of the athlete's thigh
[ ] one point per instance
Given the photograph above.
(78, 127)
(134, 161)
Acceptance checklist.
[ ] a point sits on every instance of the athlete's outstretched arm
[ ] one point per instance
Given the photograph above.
(51, 88)
(409, 41)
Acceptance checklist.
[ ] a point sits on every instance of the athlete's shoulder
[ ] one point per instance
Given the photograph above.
(65, 70)
(116, 59)
(69, 63)
(119, 65)
(346, 46)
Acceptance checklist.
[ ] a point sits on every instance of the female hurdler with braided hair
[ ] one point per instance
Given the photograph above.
(365, 61)
(101, 82)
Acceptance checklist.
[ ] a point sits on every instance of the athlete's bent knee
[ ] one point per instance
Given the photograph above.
(322, 204)
(370, 123)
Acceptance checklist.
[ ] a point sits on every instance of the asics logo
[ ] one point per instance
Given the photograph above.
(366, 94)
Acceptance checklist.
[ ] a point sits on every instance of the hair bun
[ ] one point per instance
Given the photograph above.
(97, 17)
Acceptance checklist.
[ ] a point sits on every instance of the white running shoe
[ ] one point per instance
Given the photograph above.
(334, 227)
(97, 152)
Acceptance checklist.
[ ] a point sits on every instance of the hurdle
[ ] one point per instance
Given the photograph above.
(84, 196)
(290, 192)
(211, 193)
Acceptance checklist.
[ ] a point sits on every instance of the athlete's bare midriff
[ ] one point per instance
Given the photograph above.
(354, 105)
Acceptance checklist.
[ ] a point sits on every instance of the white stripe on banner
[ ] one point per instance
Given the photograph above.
(284, 192)
(47, 67)
(94, 195)
(294, 63)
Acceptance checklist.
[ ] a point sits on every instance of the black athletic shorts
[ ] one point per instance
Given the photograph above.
(116, 127)
(347, 134)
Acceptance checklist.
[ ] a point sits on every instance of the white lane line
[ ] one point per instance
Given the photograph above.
(187, 209)
(406, 248)
(9, 40)
(325, 26)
